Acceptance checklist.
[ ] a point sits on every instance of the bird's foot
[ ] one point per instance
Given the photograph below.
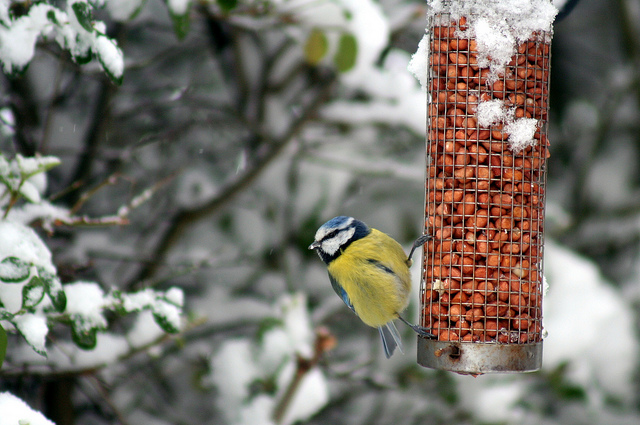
(423, 332)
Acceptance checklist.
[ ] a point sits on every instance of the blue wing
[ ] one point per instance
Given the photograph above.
(341, 292)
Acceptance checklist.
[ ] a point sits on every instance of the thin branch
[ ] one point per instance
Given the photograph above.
(187, 217)
(324, 342)
(86, 160)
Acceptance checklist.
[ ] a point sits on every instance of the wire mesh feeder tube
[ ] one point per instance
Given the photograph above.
(482, 272)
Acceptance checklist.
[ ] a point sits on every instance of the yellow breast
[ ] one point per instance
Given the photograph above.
(375, 274)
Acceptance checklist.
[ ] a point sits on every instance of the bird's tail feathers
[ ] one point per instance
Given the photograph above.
(390, 338)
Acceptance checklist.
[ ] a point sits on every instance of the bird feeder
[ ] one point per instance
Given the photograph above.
(481, 290)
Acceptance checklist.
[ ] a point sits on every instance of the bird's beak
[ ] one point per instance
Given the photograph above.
(314, 245)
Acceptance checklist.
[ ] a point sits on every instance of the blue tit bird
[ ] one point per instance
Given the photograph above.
(370, 272)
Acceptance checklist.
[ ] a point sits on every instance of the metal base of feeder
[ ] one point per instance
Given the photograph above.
(475, 358)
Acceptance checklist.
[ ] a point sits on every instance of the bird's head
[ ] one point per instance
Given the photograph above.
(336, 235)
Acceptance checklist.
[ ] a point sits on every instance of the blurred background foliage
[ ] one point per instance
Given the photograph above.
(229, 112)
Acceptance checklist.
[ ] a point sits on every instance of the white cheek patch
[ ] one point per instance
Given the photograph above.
(332, 245)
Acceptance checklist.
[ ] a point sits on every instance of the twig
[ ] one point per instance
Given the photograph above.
(325, 341)
(184, 218)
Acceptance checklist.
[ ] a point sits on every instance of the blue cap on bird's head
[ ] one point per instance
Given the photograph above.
(336, 234)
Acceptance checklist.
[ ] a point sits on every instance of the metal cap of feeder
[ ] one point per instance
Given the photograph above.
(474, 358)
(481, 291)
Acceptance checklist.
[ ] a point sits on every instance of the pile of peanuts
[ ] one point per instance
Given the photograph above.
(484, 203)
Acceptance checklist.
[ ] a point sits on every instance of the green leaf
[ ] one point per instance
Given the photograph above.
(181, 21)
(345, 57)
(51, 16)
(14, 270)
(3, 344)
(32, 292)
(84, 338)
(316, 46)
(84, 14)
(227, 5)
(53, 288)
(82, 58)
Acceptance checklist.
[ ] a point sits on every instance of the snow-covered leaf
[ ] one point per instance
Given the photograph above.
(51, 16)
(34, 330)
(85, 304)
(345, 57)
(14, 270)
(30, 166)
(110, 57)
(53, 288)
(84, 14)
(84, 338)
(316, 46)
(32, 293)
(167, 316)
(30, 192)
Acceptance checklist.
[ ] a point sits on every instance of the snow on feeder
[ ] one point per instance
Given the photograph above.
(487, 78)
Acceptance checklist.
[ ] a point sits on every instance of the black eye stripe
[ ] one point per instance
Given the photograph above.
(331, 234)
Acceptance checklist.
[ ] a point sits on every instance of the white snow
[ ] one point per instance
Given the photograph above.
(45, 211)
(18, 37)
(297, 324)
(521, 132)
(138, 300)
(110, 55)
(240, 362)
(18, 40)
(490, 112)
(145, 330)
(370, 27)
(587, 320)
(85, 302)
(418, 63)
(395, 97)
(36, 164)
(109, 348)
(23, 243)
(16, 412)
(311, 396)
(233, 370)
(34, 329)
(167, 305)
(169, 312)
(498, 27)
(175, 295)
(179, 7)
